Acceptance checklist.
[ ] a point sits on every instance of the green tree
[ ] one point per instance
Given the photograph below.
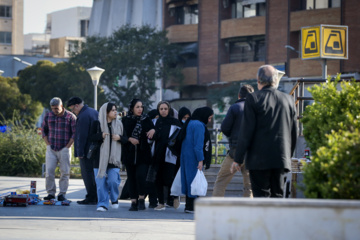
(140, 55)
(12, 100)
(331, 130)
(46, 80)
(219, 96)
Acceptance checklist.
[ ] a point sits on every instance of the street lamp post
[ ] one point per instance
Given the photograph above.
(95, 74)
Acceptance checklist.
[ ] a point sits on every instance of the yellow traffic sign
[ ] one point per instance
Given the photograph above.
(310, 42)
(334, 44)
(324, 41)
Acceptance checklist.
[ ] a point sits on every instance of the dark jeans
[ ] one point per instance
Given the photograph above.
(267, 183)
(136, 175)
(87, 174)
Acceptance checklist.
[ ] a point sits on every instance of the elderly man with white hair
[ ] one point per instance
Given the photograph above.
(268, 135)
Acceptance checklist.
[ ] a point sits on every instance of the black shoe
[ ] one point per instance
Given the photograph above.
(61, 198)
(86, 202)
(49, 197)
(141, 205)
(170, 203)
(133, 207)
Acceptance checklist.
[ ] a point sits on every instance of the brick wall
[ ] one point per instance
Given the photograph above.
(208, 35)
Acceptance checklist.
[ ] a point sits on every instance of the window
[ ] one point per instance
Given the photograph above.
(187, 14)
(246, 9)
(72, 45)
(5, 11)
(319, 4)
(84, 26)
(5, 37)
(188, 56)
(247, 49)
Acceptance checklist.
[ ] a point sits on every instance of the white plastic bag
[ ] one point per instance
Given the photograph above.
(176, 185)
(199, 184)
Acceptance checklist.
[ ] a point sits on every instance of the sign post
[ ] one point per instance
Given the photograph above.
(324, 42)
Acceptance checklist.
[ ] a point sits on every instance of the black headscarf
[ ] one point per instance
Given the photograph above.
(153, 113)
(182, 112)
(202, 114)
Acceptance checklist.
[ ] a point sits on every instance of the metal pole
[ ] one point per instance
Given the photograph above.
(95, 96)
(324, 68)
(216, 145)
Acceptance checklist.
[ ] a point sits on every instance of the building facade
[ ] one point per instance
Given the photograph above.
(227, 40)
(109, 15)
(11, 26)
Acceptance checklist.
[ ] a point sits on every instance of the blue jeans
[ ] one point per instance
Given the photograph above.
(109, 184)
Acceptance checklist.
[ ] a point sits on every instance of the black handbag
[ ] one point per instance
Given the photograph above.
(94, 146)
(172, 138)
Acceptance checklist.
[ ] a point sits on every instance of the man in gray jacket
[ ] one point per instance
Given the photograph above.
(231, 129)
(85, 117)
(268, 135)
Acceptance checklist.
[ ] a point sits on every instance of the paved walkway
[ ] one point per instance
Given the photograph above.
(83, 222)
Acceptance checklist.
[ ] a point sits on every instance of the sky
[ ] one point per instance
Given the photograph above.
(35, 12)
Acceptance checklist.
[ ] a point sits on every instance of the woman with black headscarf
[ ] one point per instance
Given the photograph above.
(137, 152)
(184, 114)
(165, 162)
(195, 149)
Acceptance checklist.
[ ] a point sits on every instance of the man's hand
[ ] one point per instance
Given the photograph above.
(235, 166)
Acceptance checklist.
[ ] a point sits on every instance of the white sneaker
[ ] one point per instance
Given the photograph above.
(160, 207)
(115, 205)
(176, 203)
(101, 209)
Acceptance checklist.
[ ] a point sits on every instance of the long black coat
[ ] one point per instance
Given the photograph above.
(143, 154)
(268, 130)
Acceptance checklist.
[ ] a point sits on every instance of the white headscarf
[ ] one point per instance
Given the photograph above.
(113, 157)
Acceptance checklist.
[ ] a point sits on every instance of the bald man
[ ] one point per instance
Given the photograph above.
(268, 135)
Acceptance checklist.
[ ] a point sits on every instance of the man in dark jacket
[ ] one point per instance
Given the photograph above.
(85, 117)
(268, 135)
(231, 129)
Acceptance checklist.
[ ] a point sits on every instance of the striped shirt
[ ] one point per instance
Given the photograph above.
(59, 129)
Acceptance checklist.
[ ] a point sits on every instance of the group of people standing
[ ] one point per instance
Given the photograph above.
(261, 127)
(151, 146)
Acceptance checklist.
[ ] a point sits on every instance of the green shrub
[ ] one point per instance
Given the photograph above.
(22, 150)
(335, 169)
(331, 129)
(332, 109)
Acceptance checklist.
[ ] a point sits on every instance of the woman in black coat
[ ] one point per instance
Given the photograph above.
(137, 152)
(165, 162)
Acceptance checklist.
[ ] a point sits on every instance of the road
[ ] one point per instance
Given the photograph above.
(83, 222)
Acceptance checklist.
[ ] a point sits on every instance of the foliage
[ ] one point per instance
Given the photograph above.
(222, 150)
(335, 169)
(22, 150)
(46, 80)
(332, 110)
(228, 94)
(11, 99)
(331, 127)
(140, 55)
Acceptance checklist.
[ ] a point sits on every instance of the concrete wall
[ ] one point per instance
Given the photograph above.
(240, 218)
